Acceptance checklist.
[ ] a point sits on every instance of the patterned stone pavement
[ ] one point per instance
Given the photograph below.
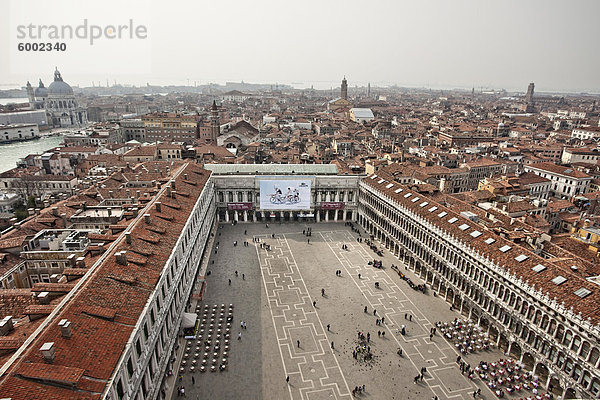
(274, 293)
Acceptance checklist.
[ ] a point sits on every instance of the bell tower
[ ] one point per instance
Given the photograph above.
(344, 91)
(214, 123)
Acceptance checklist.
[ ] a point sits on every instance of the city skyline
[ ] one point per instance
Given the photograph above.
(435, 45)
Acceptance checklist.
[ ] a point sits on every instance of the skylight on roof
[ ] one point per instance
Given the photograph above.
(407, 195)
(539, 268)
(442, 214)
(389, 185)
(521, 258)
(490, 240)
(398, 190)
(452, 220)
(559, 279)
(432, 209)
(374, 176)
(381, 181)
(583, 292)
(415, 199)
(476, 234)
(505, 248)
(423, 204)
(568, 171)
(464, 227)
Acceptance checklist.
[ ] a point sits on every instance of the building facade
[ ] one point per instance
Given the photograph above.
(547, 326)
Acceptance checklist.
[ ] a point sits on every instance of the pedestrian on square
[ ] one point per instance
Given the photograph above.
(358, 276)
(308, 241)
(323, 292)
(236, 274)
(245, 231)
(245, 327)
(314, 303)
(374, 312)
(332, 345)
(368, 337)
(298, 342)
(193, 380)
(239, 335)
(229, 282)
(405, 315)
(430, 336)
(410, 317)
(287, 379)
(382, 320)
(365, 308)
(382, 334)
(328, 326)
(242, 324)
(244, 276)
(363, 388)
(378, 333)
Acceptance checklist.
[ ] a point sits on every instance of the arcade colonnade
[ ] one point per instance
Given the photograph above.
(553, 346)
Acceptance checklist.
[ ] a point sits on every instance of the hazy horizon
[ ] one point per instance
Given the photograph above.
(430, 44)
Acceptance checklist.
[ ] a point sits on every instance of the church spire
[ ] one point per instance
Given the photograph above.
(344, 89)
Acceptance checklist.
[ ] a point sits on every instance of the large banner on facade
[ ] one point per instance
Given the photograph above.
(285, 194)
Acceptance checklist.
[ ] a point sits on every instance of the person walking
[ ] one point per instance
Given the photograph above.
(322, 292)
(240, 336)
(229, 282)
(244, 276)
(308, 241)
(193, 380)
(314, 303)
(332, 345)
(287, 379)
(298, 342)
(328, 326)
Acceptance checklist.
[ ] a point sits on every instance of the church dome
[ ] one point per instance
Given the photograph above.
(59, 86)
(41, 90)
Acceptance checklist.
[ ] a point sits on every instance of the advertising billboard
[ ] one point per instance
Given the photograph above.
(293, 194)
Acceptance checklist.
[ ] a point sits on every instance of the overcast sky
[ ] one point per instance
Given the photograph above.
(430, 43)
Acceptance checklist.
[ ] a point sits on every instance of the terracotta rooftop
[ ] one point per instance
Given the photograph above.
(105, 308)
(501, 251)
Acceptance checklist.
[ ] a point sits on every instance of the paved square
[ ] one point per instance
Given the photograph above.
(278, 293)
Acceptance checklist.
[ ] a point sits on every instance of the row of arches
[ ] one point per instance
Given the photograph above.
(518, 325)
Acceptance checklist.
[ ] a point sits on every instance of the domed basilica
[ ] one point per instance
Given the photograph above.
(62, 110)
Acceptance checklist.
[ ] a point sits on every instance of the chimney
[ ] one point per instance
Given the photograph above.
(135, 211)
(64, 218)
(6, 325)
(47, 350)
(128, 237)
(84, 205)
(174, 194)
(110, 194)
(71, 260)
(37, 211)
(147, 218)
(81, 262)
(109, 210)
(128, 191)
(121, 257)
(44, 298)
(54, 278)
(158, 206)
(65, 328)
(185, 176)
(31, 211)
(46, 203)
(127, 164)
(173, 185)
(168, 191)
(137, 194)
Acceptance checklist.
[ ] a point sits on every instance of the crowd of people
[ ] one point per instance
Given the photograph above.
(467, 336)
(420, 287)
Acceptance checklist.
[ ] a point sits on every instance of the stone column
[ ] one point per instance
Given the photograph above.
(326, 215)
(227, 216)
(335, 217)
(245, 216)
(253, 216)
(280, 216)
(318, 215)
(235, 216)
